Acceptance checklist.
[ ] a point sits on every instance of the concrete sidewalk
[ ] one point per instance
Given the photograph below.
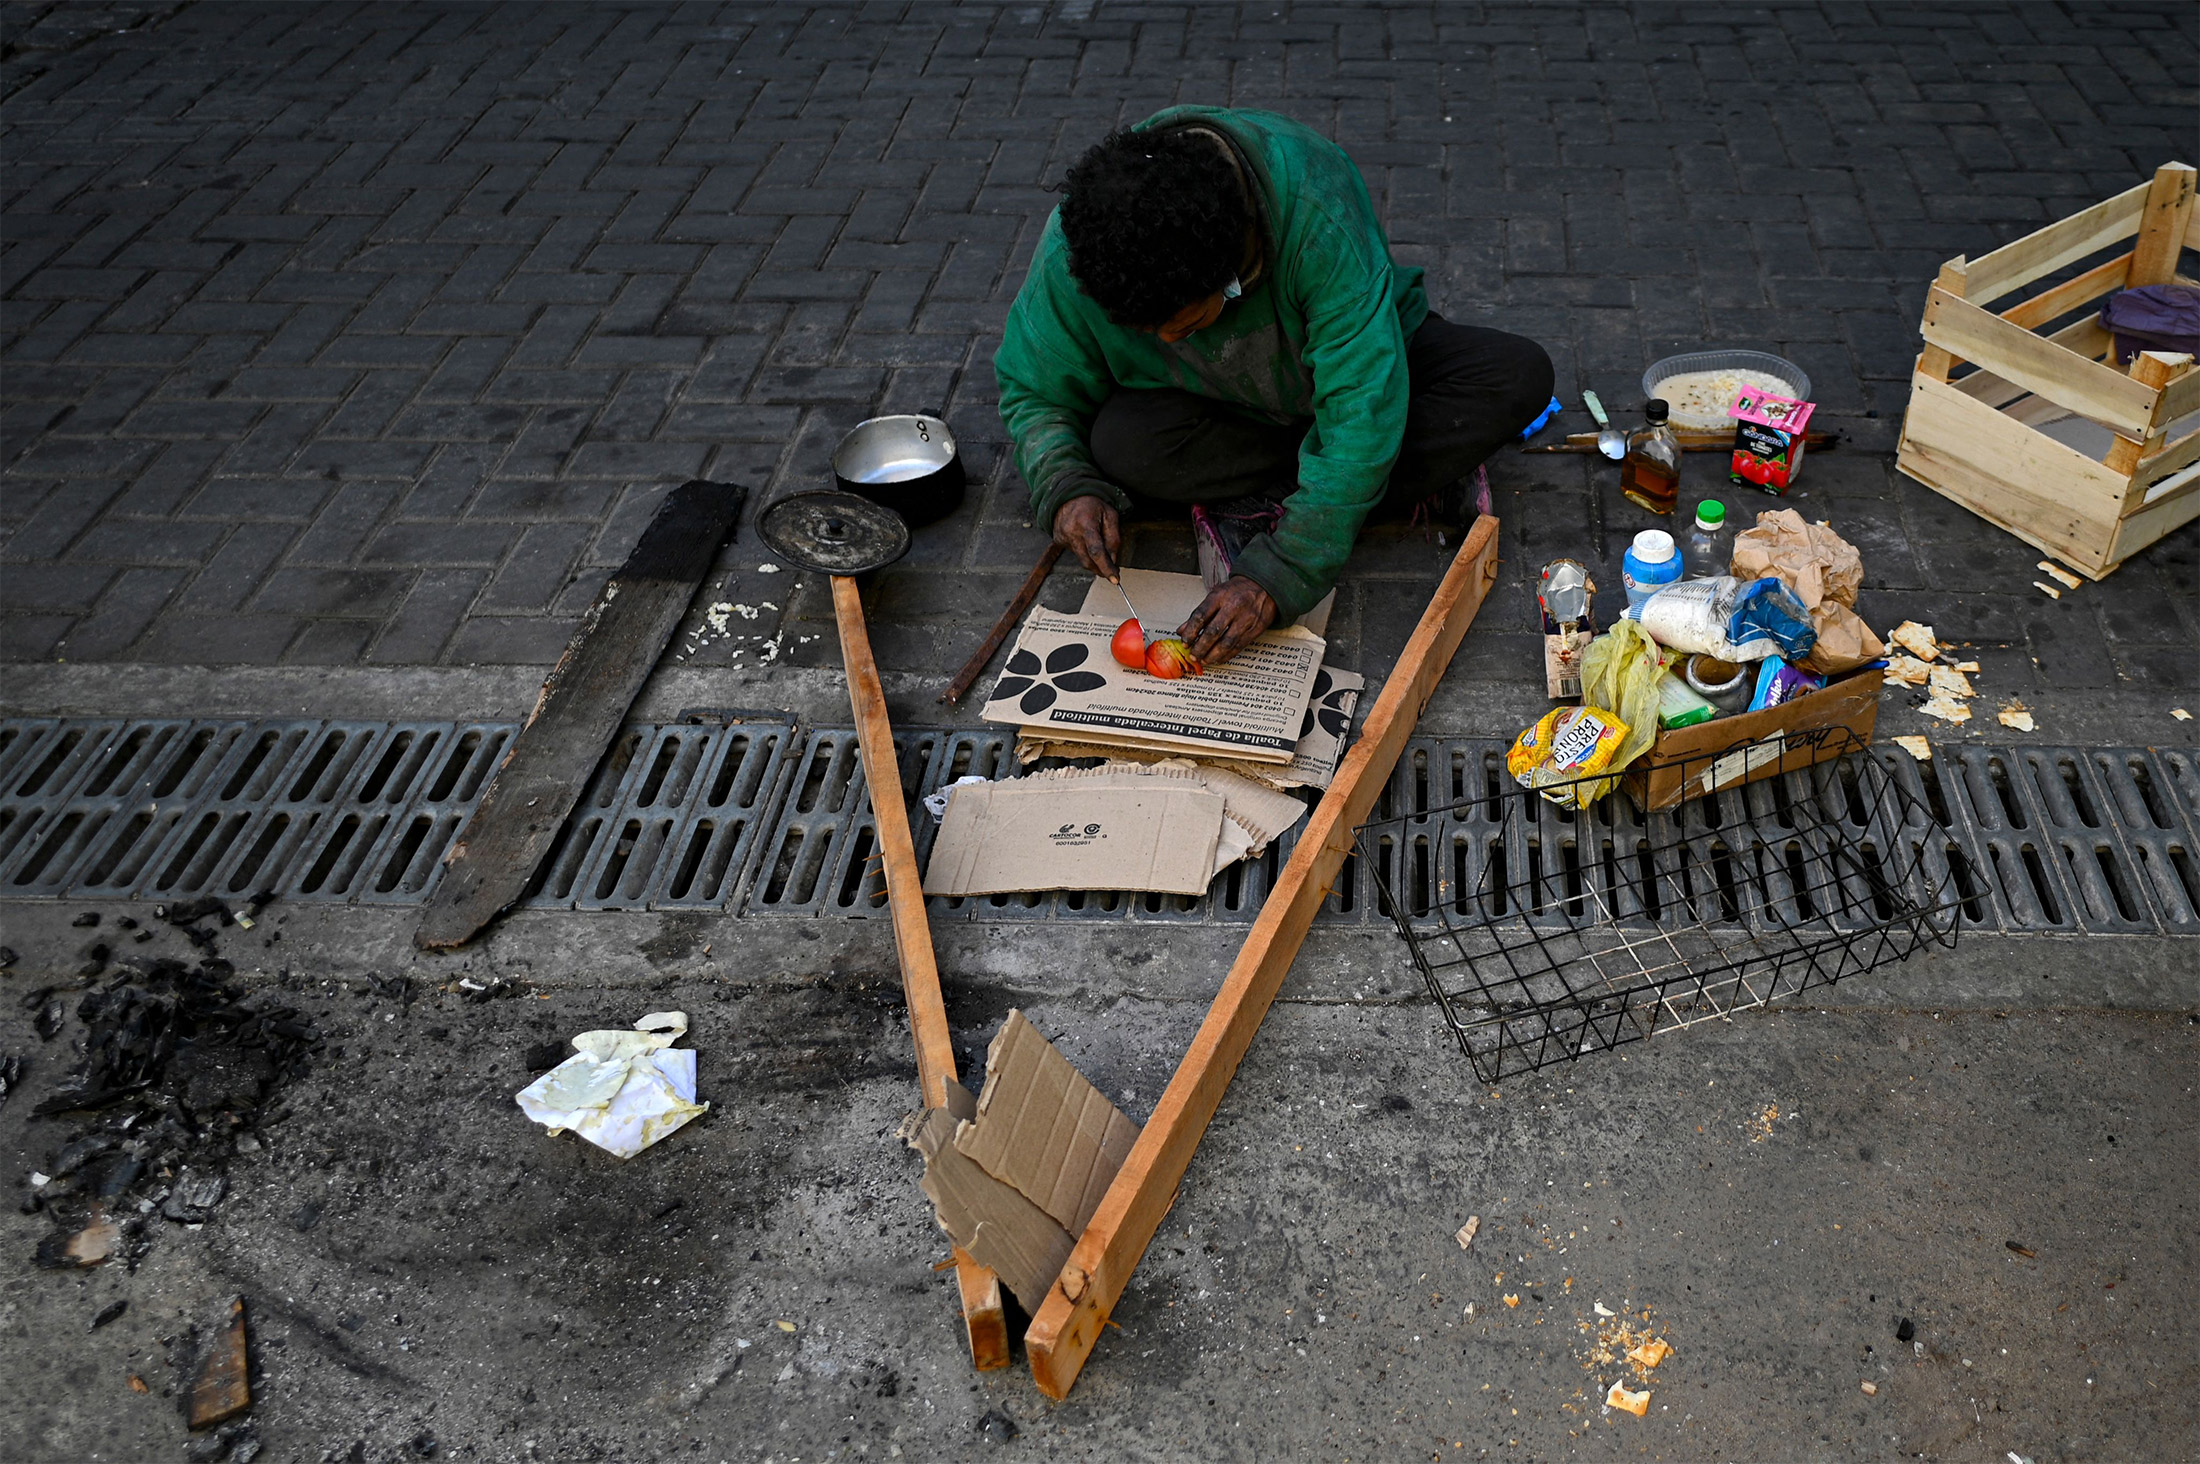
(348, 347)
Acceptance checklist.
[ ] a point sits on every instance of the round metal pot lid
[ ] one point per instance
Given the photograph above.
(833, 533)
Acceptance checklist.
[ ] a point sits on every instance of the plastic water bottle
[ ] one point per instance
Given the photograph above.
(1709, 547)
(1650, 565)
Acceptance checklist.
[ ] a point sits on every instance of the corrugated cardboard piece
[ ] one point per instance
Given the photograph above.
(1047, 831)
(1128, 833)
(1314, 758)
(1062, 681)
(1014, 1174)
(1165, 601)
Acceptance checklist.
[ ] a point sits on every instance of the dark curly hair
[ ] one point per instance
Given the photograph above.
(1155, 221)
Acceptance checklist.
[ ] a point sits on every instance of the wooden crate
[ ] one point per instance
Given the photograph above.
(1977, 439)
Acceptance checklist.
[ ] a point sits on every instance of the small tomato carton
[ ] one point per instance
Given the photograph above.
(1768, 439)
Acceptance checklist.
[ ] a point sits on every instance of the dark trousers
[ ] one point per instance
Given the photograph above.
(1472, 391)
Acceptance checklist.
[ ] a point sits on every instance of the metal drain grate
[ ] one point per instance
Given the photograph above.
(671, 820)
(358, 812)
(736, 810)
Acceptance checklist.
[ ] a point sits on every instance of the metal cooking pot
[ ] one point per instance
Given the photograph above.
(908, 464)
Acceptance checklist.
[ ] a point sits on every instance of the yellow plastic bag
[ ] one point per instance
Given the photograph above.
(1620, 670)
(1569, 743)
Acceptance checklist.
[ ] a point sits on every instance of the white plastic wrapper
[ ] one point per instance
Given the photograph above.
(1691, 617)
(621, 1091)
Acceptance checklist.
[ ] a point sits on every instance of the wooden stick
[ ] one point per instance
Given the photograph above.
(1069, 1321)
(2162, 225)
(1691, 440)
(983, 1318)
(975, 666)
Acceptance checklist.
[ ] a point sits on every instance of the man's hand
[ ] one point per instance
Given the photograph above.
(1228, 619)
(1089, 528)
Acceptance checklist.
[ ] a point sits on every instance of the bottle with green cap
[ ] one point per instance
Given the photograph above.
(1710, 547)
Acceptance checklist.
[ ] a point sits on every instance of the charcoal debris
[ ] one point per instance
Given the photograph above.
(192, 1200)
(179, 1073)
(88, 1245)
(51, 1014)
(7, 957)
(11, 1076)
(86, 920)
(108, 1313)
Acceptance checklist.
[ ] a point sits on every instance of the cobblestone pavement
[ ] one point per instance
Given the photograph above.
(346, 347)
(370, 334)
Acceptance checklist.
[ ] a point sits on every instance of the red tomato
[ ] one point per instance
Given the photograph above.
(1170, 659)
(1129, 645)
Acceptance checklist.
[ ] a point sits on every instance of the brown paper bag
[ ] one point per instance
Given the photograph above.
(1825, 571)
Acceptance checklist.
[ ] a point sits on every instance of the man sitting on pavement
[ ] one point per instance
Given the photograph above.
(1213, 319)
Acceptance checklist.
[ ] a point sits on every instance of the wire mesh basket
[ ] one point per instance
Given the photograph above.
(1545, 932)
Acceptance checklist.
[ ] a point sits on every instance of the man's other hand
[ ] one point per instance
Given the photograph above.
(1228, 619)
(1089, 528)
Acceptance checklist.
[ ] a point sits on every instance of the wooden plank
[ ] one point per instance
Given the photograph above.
(2070, 294)
(2047, 494)
(2158, 372)
(984, 1321)
(1028, 592)
(2044, 251)
(2180, 398)
(1935, 361)
(2163, 516)
(2181, 452)
(578, 712)
(1068, 1323)
(2084, 336)
(2162, 225)
(2042, 366)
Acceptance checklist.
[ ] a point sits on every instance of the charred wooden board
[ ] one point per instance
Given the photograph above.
(580, 710)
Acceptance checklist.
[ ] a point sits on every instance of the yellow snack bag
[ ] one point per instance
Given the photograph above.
(1570, 743)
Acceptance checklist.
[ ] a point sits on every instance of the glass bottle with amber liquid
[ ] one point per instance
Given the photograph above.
(1651, 473)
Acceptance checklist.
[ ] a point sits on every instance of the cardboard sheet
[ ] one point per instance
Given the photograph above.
(1254, 815)
(1165, 600)
(1026, 834)
(1062, 682)
(1015, 1174)
(1314, 757)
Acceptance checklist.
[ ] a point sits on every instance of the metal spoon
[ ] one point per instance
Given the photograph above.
(1610, 440)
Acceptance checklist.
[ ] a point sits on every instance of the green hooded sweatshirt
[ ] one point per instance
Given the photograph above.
(1319, 332)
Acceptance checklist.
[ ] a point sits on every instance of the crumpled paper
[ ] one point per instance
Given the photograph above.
(621, 1091)
(1825, 571)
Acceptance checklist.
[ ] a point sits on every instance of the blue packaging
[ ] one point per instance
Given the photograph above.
(1651, 563)
(1778, 683)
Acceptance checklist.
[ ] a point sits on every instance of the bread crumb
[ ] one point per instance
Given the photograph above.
(1465, 1237)
(1621, 1397)
(1916, 747)
(1946, 710)
(1511, 1299)
(2048, 590)
(2070, 581)
(1916, 639)
(2017, 717)
(1948, 681)
(1907, 671)
(1871, 1390)
(1650, 1353)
